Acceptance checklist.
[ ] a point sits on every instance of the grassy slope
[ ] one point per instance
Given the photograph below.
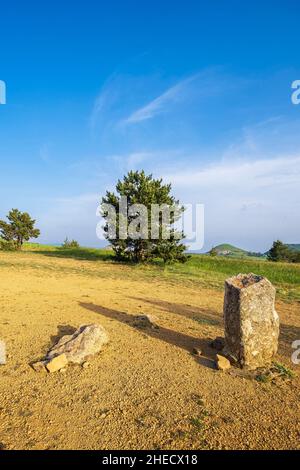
(235, 252)
(231, 248)
(285, 276)
(201, 269)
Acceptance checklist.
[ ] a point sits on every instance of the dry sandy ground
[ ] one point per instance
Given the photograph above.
(145, 390)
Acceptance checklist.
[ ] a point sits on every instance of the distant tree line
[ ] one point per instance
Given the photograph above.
(255, 254)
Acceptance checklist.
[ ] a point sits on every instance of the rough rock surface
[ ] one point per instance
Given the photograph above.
(57, 363)
(86, 341)
(39, 366)
(251, 322)
(222, 362)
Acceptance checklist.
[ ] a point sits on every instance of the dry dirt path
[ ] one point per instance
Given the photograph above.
(145, 390)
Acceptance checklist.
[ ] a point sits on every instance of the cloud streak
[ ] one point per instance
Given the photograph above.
(275, 172)
(118, 104)
(159, 104)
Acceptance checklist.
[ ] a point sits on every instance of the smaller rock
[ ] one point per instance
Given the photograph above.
(218, 343)
(57, 363)
(86, 364)
(86, 341)
(39, 366)
(197, 351)
(222, 362)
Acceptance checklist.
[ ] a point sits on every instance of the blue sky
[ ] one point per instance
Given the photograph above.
(196, 92)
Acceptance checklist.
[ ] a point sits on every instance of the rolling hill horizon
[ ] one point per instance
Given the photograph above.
(226, 249)
(223, 249)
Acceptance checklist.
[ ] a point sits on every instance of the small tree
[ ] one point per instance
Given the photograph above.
(19, 228)
(142, 192)
(279, 252)
(67, 244)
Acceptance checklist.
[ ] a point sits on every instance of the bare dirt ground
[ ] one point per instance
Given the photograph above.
(145, 390)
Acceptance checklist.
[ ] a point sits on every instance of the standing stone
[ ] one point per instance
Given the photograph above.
(251, 322)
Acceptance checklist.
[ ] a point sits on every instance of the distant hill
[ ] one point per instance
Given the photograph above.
(226, 249)
(231, 251)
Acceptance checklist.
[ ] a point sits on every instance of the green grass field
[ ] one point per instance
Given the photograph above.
(285, 276)
(201, 269)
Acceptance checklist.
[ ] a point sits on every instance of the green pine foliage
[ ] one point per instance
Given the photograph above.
(140, 188)
(19, 229)
(70, 244)
(282, 252)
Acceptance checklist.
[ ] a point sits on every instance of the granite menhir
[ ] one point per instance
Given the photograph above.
(251, 321)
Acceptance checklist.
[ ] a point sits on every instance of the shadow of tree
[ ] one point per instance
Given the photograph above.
(201, 315)
(163, 334)
(85, 254)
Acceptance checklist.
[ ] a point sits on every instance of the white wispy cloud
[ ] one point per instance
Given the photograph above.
(275, 172)
(119, 102)
(247, 202)
(103, 101)
(143, 159)
(159, 104)
(208, 82)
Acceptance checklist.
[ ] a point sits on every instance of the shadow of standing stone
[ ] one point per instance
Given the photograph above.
(251, 322)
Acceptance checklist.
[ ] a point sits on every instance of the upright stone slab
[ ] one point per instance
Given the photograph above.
(251, 322)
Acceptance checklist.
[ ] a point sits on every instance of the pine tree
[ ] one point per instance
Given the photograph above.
(19, 228)
(142, 189)
(279, 252)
